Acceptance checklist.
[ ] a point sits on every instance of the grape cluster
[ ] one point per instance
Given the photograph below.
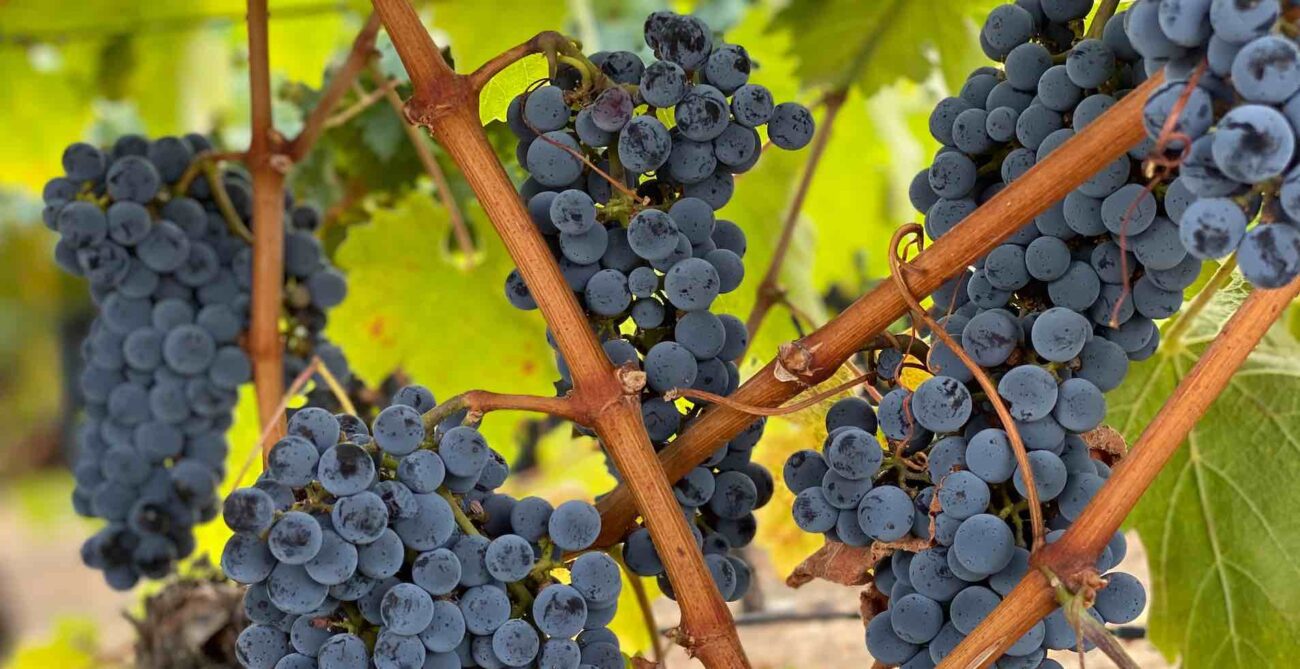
(647, 258)
(1050, 317)
(1241, 118)
(163, 359)
(388, 547)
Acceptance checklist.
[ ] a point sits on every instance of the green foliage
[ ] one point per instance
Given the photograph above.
(497, 94)
(243, 466)
(72, 645)
(870, 45)
(412, 304)
(480, 30)
(1219, 522)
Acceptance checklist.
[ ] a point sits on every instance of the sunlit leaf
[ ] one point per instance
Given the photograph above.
(501, 89)
(874, 44)
(72, 645)
(412, 305)
(480, 30)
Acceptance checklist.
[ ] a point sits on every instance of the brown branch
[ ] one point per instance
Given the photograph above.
(431, 166)
(480, 402)
(366, 101)
(1033, 597)
(264, 345)
(1110, 136)
(362, 47)
(769, 291)
(447, 104)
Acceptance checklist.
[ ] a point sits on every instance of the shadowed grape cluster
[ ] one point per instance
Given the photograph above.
(1241, 119)
(163, 361)
(628, 166)
(388, 547)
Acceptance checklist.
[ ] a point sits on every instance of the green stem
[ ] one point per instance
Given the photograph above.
(1174, 335)
(523, 599)
(224, 204)
(433, 417)
(1104, 14)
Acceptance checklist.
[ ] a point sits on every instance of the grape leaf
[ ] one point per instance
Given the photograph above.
(72, 644)
(1219, 523)
(501, 89)
(243, 466)
(481, 30)
(761, 200)
(412, 305)
(874, 44)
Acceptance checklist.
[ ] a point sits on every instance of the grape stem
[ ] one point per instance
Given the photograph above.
(523, 598)
(196, 168)
(1105, 12)
(269, 158)
(713, 398)
(1083, 542)
(897, 264)
(363, 46)
(227, 208)
(268, 172)
(770, 293)
(479, 402)
(447, 105)
(549, 42)
(826, 349)
(1173, 337)
(264, 440)
(364, 102)
(458, 226)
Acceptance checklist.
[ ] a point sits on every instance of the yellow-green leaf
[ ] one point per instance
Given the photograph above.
(72, 645)
(480, 30)
(501, 89)
(874, 44)
(412, 305)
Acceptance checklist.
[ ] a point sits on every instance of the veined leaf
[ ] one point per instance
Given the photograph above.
(480, 30)
(501, 89)
(1219, 524)
(411, 305)
(874, 44)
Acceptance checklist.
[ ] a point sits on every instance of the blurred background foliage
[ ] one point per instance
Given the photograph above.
(91, 71)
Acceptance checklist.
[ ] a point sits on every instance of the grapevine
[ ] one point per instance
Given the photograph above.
(1106, 164)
